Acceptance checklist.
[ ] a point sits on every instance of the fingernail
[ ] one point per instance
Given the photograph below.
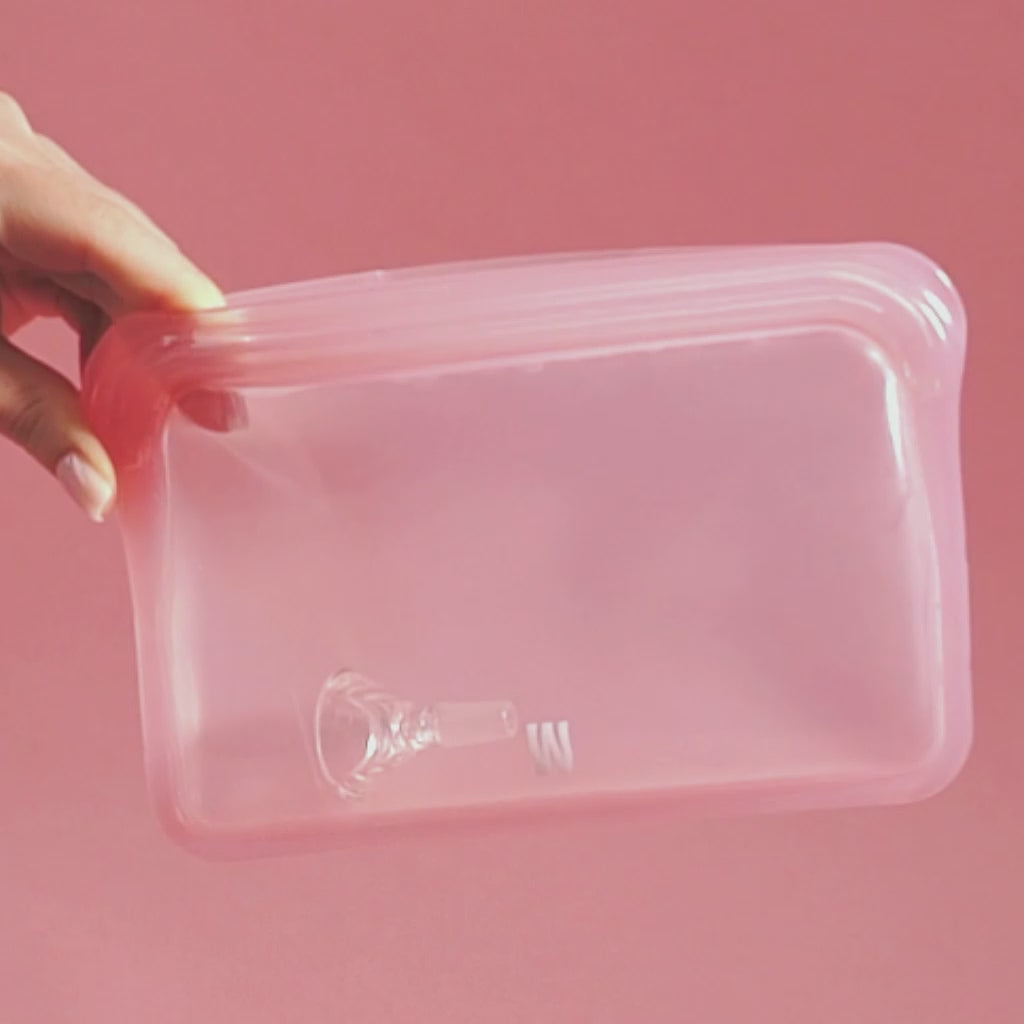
(87, 488)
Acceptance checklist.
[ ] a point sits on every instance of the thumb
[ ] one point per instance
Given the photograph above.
(39, 410)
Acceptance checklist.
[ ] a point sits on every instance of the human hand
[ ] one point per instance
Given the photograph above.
(73, 248)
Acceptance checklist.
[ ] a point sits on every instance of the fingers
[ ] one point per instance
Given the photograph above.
(79, 300)
(59, 156)
(219, 411)
(71, 245)
(39, 410)
(11, 114)
(51, 222)
(56, 216)
(91, 289)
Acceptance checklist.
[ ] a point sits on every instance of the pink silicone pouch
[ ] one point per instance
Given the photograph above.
(498, 537)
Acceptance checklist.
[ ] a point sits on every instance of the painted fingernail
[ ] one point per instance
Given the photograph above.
(88, 489)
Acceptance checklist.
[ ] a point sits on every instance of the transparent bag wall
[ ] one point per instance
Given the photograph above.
(507, 536)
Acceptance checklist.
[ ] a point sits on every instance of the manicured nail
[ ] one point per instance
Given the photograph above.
(87, 488)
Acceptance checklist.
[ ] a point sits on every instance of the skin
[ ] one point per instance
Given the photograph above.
(73, 248)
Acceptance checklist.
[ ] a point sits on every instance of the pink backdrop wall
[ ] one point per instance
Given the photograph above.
(288, 140)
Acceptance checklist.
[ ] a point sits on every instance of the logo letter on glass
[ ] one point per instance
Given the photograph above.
(550, 746)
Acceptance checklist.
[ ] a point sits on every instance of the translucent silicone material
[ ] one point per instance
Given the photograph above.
(500, 537)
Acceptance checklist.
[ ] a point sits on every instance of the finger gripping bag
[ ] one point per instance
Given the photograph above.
(489, 539)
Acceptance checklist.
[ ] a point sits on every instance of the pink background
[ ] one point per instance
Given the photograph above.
(283, 141)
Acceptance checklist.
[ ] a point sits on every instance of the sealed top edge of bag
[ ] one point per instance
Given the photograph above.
(520, 286)
(425, 318)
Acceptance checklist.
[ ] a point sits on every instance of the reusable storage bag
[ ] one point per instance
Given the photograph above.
(540, 534)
